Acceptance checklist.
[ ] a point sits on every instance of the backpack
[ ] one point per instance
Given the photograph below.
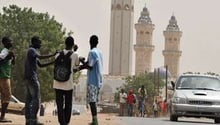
(62, 67)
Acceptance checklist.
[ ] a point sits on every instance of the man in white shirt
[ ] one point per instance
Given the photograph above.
(64, 89)
(122, 101)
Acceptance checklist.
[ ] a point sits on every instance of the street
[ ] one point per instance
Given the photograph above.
(164, 121)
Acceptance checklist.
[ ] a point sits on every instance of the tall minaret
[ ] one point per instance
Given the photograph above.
(172, 50)
(144, 48)
(121, 37)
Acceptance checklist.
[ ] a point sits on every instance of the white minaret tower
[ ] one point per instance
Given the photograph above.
(144, 48)
(172, 51)
(121, 37)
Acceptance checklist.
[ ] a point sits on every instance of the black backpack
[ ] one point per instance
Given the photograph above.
(62, 67)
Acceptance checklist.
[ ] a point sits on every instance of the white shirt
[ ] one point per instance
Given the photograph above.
(122, 97)
(4, 53)
(67, 85)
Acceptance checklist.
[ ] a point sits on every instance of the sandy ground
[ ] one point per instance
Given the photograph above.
(83, 119)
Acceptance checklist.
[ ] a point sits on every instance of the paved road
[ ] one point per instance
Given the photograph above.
(164, 121)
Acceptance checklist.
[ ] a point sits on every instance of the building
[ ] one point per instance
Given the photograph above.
(143, 47)
(172, 50)
(121, 37)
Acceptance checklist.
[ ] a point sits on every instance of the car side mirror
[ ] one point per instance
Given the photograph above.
(173, 84)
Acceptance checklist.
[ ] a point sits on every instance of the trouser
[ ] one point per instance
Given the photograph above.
(130, 109)
(122, 109)
(64, 105)
(32, 102)
(141, 108)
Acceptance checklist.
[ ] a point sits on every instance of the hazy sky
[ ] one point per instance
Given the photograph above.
(197, 19)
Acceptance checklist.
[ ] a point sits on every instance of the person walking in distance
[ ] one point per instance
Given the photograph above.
(123, 102)
(141, 100)
(94, 65)
(131, 102)
(7, 59)
(32, 102)
(63, 81)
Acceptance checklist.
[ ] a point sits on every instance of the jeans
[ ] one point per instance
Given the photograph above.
(64, 105)
(141, 108)
(32, 102)
(130, 109)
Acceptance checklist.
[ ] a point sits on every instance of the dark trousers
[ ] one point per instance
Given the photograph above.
(32, 100)
(64, 105)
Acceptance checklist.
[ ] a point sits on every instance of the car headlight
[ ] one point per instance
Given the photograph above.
(179, 100)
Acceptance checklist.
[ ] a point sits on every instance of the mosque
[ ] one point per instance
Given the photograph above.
(122, 45)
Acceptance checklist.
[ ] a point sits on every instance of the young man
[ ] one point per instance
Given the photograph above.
(32, 102)
(123, 102)
(141, 100)
(7, 58)
(64, 89)
(94, 65)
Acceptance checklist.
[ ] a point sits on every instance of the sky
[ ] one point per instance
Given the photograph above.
(199, 21)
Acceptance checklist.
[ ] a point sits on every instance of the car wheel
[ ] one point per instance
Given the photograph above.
(173, 118)
(217, 120)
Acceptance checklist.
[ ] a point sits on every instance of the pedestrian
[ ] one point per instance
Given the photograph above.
(131, 102)
(94, 65)
(42, 110)
(32, 102)
(164, 107)
(141, 100)
(155, 108)
(122, 102)
(7, 59)
(66, 59)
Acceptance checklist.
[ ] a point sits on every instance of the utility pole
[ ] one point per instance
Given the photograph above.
(166, 80)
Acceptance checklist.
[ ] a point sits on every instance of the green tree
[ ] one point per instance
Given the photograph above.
(21, 24)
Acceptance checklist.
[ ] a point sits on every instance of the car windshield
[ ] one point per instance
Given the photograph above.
(198, 82)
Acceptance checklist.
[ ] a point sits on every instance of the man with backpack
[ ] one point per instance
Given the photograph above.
(32, 102)
(65, 62)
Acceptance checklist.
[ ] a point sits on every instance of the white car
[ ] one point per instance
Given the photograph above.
(196, 95)
(15, 106)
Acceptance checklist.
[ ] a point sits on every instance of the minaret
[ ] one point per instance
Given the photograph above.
(144, 48)
(121, 37)
(172, 51)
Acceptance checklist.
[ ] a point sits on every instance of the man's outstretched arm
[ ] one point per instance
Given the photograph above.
(45, 64)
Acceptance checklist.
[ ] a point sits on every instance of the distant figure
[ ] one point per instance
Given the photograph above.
(7, 59)
(32, 102)
(141, 100)
(122, 102)
(155, 108)
(94, 65)
(42, 110)
(131, 101)
(63, 86)
(164, 107)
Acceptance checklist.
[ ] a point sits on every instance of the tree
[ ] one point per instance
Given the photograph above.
(21, 25)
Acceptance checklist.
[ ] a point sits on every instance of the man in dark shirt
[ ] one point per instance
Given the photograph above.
(32, 83)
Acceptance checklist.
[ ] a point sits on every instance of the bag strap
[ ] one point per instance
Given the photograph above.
(69, 54)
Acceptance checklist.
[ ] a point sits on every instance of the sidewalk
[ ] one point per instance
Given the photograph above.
(83, 119)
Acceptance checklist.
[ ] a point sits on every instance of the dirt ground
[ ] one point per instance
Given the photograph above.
(83, 119)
